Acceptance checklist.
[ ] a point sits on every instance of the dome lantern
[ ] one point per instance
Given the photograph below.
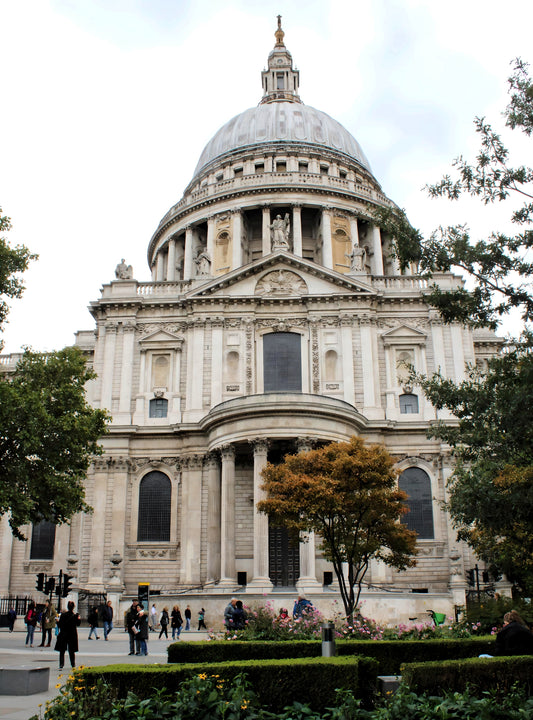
(280, 81)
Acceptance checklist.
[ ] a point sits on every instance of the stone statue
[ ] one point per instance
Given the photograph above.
(280, 230)
(203, 263)
(357, 259)
(123, 271)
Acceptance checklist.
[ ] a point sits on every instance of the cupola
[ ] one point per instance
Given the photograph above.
(280, 80)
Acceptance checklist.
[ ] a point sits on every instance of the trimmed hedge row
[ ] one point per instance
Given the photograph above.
(277, 683)
(390, 654)
(479, 674)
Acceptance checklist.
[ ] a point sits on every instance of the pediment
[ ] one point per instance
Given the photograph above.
(161, 339)
(281, 275)
(404, 334)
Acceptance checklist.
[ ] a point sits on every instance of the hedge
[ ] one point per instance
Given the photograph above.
(277, 683)
(479, 674)
(390, 654)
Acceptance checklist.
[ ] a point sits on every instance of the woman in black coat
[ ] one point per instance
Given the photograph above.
(67, 638)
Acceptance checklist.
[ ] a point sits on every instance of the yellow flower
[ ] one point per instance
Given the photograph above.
(71, 699)
(202, 676)
(58, 685)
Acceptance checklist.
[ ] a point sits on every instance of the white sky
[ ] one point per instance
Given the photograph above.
(107, 105)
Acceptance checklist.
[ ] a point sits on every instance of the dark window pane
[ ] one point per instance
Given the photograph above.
(282, 362)
(43, 538)
(158, 408)
(416, 483)
(154, 508)
(408, 404)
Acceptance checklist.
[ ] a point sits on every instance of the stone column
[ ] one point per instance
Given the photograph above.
(171, 261)
(378, 250)
(109, 363)
(191, 510)
(98, 501)
(456, 332)
(327, 252)
(236, 239)
(160, 266)
(217, 327)
(6, 547)
(227, 518)
(261, 580)
(124, 405)
(267, 241)
(211, 240)
(354, 230)
(195, 367)
(187, 259)
(367, 361)
(297, 230)
(307, 581)
(213, 518)
(120, 467)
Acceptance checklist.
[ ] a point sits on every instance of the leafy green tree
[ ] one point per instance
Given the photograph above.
(491, 489)
(13, 261)
(48, 431)
(348, 494)
(48, 435)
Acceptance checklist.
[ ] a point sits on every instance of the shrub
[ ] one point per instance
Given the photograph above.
(478, 674)
(490, 613)
(264, 623)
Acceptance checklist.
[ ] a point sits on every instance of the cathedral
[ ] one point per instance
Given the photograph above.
(277, 319)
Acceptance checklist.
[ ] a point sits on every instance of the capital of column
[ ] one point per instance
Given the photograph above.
(192, 462)
(111, 327)
(227, 452)
(260, 445)
(304, 444)
(211, 460)
(129, 327)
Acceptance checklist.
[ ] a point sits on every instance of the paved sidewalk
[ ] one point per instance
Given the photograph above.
(92, 652)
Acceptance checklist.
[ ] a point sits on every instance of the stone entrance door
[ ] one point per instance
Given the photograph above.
(284, 558)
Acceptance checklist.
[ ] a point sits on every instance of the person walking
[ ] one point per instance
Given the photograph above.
(131, 619)
(11, 618)
(153, 618)
(67, 638)
(142, 634)
(238, 619)
(176, 622)
(107, 617)
(92, 619)
(228, 614)
(163, 621)
(48, 623)
(188, 616)
(201, 620)
(31, 621)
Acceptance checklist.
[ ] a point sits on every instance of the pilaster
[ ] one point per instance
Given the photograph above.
(297, 230)
(227, 517)
(213, 517)
(261, 580)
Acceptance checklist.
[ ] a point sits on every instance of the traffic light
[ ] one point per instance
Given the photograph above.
(50, 585)
(40, 582)
(67, 585)
(471, 577)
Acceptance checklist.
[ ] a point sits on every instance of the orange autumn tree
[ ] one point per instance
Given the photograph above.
(348, 494)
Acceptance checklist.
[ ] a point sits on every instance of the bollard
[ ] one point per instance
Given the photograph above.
(328, 640)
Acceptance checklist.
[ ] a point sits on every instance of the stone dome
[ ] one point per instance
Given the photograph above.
(281, 122)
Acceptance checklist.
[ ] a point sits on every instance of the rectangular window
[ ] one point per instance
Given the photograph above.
(43, 539)
(280, 82)
(259, 168)
(237, 172)
(281, 166)
(282, 362)
(303, 167)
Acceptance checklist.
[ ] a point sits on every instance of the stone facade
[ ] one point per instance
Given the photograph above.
(277, 319)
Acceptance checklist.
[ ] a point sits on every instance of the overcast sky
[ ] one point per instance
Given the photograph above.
(107, 105)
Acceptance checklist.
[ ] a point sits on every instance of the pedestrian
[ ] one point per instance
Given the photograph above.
(92, 619)
(107, 617)
(188, 616)
(31, 621)
(514, 638)
(176, 622)
(48, 623)
(67, 638)
(228, 613)
(201, 620)
(301, 607)
(283, 614)
(153, 618)
(141, 637)
(11, 617)
(238, 619)
(131, 619)
(163, 621)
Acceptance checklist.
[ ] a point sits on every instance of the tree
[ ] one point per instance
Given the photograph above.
(348, 494)
(48, 435)
(491, 489)
(13, 261)
(48, 431)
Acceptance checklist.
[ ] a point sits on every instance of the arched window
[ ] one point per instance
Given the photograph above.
(416, 483)
(43, 539)
(155, 493)
(282, 362)
(158, 407)
(408, 403)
